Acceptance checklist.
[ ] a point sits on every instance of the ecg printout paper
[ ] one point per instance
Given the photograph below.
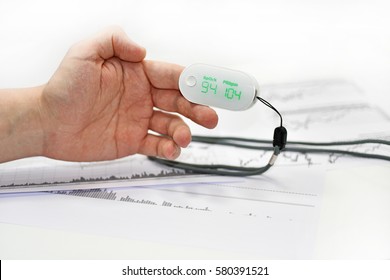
(258, 217)
(270, 216)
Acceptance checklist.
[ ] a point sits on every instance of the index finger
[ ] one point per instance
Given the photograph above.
(163, 75)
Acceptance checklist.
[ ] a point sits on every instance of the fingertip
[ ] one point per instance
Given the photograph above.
(182, 136)
(213, 121)
(171, 150)
(138, 53)
(131, 51)
(207, 116)
(142, 52)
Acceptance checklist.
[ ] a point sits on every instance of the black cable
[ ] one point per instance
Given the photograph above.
(266, 103)
(219, 169)
(215, 169)
(230, 141)
(216, 139)
(279, 143)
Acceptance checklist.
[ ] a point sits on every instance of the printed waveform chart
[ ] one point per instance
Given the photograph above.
(42, 174)
(308, 105)
(274, 215)
(228, 195)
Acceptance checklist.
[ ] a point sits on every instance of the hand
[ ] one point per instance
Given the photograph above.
(105, 99)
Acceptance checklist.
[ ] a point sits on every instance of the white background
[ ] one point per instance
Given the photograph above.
(276, 41)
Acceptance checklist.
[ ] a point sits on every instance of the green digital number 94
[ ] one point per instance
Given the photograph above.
(206, 86)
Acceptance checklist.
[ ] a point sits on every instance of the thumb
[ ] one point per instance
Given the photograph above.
(115, 42)
(112, 42)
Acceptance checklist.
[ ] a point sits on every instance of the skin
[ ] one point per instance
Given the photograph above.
(105, 101)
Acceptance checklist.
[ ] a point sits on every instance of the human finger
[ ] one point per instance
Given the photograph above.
(172, 126)
(154, 145)
(112, 42)
(115, 42)
(163, 75)
(173, 101)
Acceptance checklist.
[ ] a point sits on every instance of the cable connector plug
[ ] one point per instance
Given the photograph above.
(280, 137)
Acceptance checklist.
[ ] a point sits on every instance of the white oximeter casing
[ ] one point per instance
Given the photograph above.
(218, 87)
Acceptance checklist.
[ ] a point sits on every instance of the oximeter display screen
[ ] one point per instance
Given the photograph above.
(230, 90)
(218, 87)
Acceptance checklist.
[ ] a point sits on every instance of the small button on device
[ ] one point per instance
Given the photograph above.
(191, 81)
